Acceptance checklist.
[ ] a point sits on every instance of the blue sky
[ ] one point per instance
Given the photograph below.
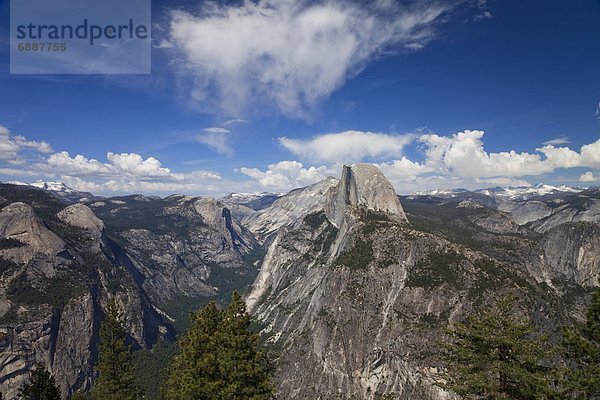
(268, 96)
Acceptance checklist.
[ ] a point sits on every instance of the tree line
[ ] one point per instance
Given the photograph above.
(493, 355)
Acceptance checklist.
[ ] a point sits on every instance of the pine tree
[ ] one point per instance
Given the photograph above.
(115, 364)
(219, 359)
(41, 386)
(583, 350)
(495, 356)
(242, 364)
(194, 372)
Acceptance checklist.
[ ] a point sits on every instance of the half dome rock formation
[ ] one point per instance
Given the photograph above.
(336, 206)
(363, 187)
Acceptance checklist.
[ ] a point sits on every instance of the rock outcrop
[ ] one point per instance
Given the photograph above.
(83, 217)
(363, 187)
(289, 208)
(18, 221)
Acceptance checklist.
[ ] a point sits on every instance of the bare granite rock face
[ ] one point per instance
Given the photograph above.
(22, 347)
(570, 253)
(83, 217)
(339, 327)
(57, 276)
(289, 208)
(19, 221)
(188, 248)
(523, 212)
(75, 343)
(353, 301)
(363, 186)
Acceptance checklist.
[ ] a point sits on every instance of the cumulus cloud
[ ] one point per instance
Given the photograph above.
(463, 154)
(122, 173)
(211, 183)
(458, 160)
(349, 146)
(286, 175)
(134, 165)
(12, 146)
(217, 139)
(125, 164)
(289, 54)
(119, 173)
(78, 165)
(587, 177)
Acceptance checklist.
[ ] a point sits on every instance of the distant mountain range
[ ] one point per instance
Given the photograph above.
(60, 190)
(514, 193)
(260, 200)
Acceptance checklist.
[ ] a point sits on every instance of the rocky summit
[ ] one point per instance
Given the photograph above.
(351, 286)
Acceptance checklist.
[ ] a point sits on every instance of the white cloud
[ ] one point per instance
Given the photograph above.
(463, 155)
(12, 147)
(501, 182)
(200, 183)
(459, 160)
(216, 130)
(598, 111)
(483, 16)
(347, 147)
(134, 165)
(588, 177)
(120, 173)
(79, 165)
(403, 169)
(217, 139)
(557, 141)
(590, 155)
(287, 175)
(123, 173)
(289, 54)
(234, 121)
(124, 165)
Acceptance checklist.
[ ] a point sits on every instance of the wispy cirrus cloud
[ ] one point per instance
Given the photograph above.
(557, 141)
(288, 55)
(217, 139)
